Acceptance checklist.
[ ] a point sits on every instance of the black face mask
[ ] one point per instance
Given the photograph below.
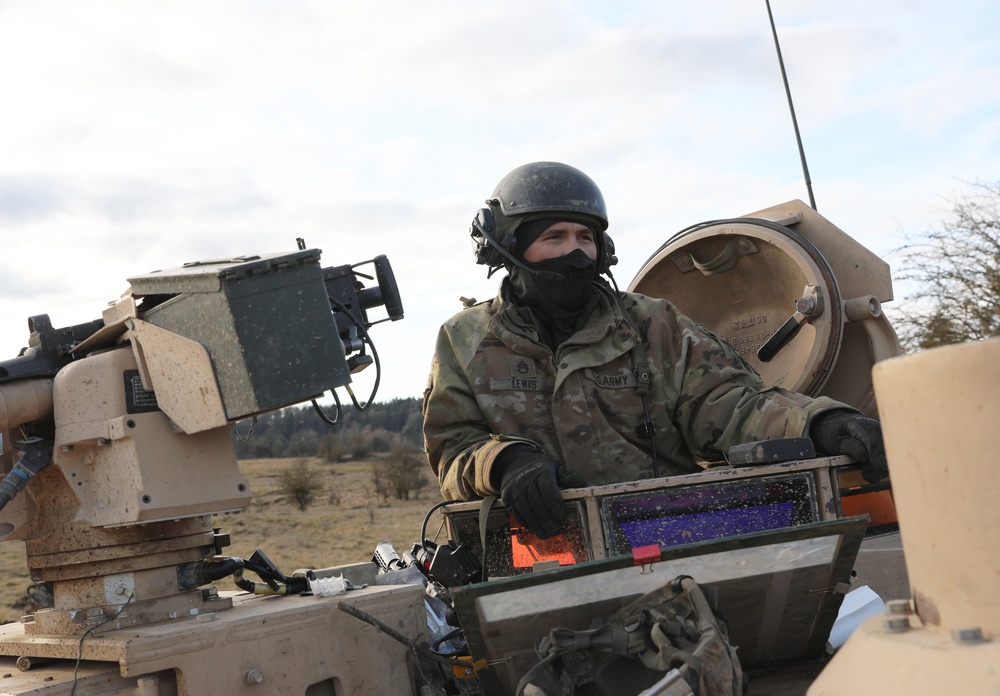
(569, 295)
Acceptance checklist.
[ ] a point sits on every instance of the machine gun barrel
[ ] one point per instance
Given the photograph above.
(24, 401)
(48, 349)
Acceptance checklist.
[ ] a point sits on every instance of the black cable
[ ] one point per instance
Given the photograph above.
(325, 418)
(359, 325)
(427, 517)
(436, 645)
(613, 281)
(652, 435)
(646, 429)
(79, 655)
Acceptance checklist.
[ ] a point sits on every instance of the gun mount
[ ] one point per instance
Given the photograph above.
(135, 411)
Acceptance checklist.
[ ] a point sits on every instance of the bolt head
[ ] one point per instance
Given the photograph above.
(806, 305)
(968, 636)
(899, 607)
(895, 624)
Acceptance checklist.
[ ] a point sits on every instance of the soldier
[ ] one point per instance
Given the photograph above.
(563, 381)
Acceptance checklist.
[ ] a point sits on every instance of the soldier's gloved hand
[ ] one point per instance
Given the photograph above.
(529, 486)
(857, 436)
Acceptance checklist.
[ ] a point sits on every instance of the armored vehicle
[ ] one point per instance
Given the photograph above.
(117, 452)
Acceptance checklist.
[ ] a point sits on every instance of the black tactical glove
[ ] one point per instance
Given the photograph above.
(529, 486)
(857, 436)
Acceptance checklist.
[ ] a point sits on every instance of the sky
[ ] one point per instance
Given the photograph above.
(142, 136)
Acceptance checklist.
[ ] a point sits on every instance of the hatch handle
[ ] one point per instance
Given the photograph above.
(807, 308)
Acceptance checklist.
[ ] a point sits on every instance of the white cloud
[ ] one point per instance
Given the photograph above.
(143, 135)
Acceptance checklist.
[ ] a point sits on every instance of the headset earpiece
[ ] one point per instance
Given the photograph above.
(608, 258)
(494, 248)
(486, 240)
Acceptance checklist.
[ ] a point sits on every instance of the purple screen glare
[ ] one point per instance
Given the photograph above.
(703, 526)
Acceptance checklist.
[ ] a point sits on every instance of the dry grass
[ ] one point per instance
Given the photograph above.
(343, 526)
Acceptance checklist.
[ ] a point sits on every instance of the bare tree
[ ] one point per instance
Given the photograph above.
(956, 270)
(400, 473)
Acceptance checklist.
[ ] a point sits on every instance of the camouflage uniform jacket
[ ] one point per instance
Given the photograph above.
(493, 383)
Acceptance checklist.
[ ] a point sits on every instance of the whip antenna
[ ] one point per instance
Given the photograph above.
(791, 108)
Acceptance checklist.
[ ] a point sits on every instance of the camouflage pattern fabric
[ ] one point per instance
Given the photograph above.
(670, 628)
(493, 383)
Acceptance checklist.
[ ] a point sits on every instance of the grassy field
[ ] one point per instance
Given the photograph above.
(342, 526)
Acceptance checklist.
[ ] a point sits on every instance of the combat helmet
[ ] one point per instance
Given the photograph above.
(536, 191)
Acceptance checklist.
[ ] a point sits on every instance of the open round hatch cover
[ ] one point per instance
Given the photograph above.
(793, 294)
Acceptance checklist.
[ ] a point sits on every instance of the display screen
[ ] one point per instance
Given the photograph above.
(670, 517)
(513, 550)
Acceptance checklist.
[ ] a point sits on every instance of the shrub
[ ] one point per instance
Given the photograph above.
(305, 443)
(332, 448)
(401, 472)
(300, 484)
(360, 446)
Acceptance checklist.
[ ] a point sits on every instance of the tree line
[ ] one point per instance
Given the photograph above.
(388, 435)
(299, 431)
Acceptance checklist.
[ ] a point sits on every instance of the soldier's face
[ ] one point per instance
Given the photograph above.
(562, 238)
